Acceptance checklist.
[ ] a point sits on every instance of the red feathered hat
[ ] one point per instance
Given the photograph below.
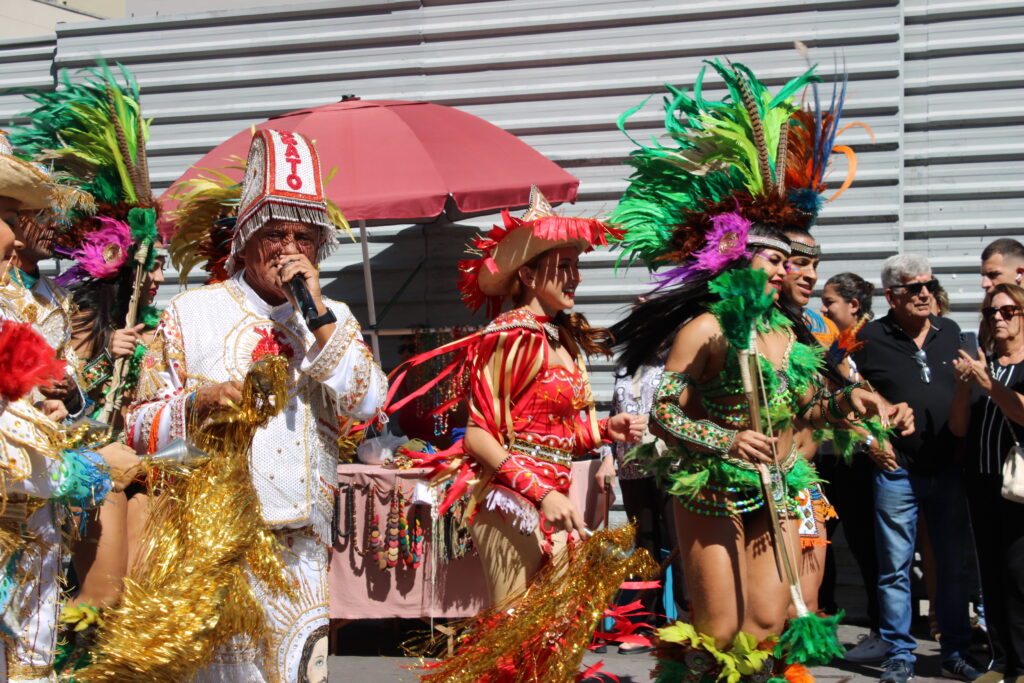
(488, 279)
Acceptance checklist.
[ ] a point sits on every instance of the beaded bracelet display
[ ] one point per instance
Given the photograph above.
(669, 414)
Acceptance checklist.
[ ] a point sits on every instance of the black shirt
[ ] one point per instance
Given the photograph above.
(888, 362)
(989, 437)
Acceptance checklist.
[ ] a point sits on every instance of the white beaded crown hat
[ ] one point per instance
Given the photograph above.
(283, 182)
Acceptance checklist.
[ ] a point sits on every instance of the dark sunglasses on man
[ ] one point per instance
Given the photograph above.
(914, 288)
(1005, 312)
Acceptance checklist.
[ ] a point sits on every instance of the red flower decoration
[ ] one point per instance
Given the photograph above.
(271, 343)
(26, 360)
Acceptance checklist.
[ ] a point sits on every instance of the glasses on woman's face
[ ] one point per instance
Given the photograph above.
(1004, 312)
(922, 360)
(914, 288)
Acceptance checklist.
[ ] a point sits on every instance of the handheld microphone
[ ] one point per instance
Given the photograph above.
(305, 300)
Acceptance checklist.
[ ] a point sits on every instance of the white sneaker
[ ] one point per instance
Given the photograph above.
(868, 650)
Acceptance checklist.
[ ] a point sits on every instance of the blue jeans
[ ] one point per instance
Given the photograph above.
(899, 497)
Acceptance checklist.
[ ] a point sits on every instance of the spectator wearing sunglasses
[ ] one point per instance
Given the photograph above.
(988, 408)
(1002, 262)
(909, 356)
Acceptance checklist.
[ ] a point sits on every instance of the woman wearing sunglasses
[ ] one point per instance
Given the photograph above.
(988, 408)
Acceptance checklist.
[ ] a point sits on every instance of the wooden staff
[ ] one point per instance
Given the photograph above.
(111, 413)
(753, 387)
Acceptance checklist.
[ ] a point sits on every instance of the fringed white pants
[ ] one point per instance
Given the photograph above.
(297, 651)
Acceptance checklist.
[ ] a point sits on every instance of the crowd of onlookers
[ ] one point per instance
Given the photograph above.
(929, 493)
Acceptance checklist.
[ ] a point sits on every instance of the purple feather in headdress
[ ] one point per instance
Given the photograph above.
(102, 254)
(725, 243)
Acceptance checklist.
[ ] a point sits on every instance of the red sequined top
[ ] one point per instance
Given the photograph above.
(555, 411)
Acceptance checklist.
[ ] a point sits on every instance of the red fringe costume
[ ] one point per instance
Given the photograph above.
(542, 413)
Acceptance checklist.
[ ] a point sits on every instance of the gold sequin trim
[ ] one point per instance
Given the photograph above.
(26, 672)
(333, 351)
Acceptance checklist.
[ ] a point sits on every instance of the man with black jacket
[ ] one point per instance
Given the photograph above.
(908, 357)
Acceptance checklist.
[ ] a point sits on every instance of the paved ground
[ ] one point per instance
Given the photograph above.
(371, 653)
(633, 668)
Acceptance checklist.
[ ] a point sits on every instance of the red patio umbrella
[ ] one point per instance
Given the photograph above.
(400, 162)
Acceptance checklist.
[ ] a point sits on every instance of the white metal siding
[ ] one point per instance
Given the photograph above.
(559, 72)
(964, 102)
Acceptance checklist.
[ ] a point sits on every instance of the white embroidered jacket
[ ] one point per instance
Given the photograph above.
(29, 457)
(210, 335)
(49, 309)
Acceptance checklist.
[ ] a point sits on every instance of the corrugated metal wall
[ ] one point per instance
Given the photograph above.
(964, 136)
(559, 72)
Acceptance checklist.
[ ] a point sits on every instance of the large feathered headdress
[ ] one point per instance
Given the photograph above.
(753, 157)
(93, 135)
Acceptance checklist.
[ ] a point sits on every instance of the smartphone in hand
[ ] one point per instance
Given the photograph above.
(969, 343)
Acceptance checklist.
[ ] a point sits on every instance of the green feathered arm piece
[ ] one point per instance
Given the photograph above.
(742, 302)
(847, 440)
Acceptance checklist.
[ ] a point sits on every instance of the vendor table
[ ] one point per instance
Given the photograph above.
(359, 589)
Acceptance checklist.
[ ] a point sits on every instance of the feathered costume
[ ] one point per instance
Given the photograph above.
(94, 134)
(46, 470)
(542, 413)
(732, 176)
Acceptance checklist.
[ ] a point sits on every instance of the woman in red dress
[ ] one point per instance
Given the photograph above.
(530, 403)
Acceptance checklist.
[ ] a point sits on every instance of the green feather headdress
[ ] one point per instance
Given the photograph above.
(712, 151)
(94, 131)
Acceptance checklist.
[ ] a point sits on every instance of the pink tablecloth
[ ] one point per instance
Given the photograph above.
(359, 589)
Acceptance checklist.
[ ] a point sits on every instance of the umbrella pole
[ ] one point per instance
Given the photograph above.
(371, 308)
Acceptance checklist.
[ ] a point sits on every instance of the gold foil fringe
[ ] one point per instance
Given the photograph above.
(189, 592)
(542, 633)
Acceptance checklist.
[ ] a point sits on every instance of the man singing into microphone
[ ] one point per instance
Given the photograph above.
(208, 339)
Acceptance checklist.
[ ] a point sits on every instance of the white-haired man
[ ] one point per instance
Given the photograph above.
(209, 338)
(908, 357)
